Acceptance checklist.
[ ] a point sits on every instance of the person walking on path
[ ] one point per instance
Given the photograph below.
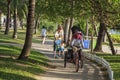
(43, 34)
(58, 37)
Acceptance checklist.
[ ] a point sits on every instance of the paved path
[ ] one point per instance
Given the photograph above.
(90, 70)
(107, 49)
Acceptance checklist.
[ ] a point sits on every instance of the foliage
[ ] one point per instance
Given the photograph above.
(50, 25)
(3, 3)
(115, 37)
(81, 23)
(108, 10)
(56, 11)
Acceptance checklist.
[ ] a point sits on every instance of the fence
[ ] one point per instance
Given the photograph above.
(101, 61)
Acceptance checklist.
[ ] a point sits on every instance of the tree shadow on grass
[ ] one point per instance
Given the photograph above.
(38, 55)
(9, 50)
(11, 76)
(20, 65)
(113, 61)
(35, 57)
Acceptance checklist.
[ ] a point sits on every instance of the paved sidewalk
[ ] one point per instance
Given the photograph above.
(107, 49)
(90, 70)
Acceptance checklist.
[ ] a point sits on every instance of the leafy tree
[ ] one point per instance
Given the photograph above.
(18, 14)
(104, 10)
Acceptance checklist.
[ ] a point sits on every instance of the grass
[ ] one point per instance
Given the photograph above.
(114, 61)
(8, 38)
(13, 69)
(20, 40)
(115, 44)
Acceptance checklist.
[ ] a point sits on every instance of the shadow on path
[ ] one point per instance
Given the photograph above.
(90, 71)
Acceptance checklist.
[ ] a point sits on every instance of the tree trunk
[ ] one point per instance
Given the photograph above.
(15, 24)
(98, 46)
(21, 24)
(71, 22)
(69, 32)
(87, 29)
(110, 42)
(92, 20)
(11, 22)
(36, 25)
(0, 20)
(29, 31)
(94, 27)
(67, 23)
(8, 17)
(92, 42)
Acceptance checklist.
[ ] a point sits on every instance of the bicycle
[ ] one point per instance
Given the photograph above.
(75, 58)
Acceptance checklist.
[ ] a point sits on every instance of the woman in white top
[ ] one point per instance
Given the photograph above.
(43, 34)
(59, 33)
(58, 37)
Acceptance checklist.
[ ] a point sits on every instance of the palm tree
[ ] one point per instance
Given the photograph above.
(29, 31)
(8, 17)
(18, 13)
(15, 20)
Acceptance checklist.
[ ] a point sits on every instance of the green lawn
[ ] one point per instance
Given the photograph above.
(13, 69)
(8, 38)
(20, 40)
(114, 61)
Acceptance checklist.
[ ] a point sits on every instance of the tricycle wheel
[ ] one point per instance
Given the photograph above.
(65, 59)
(81, 59)
(76, 62)
(81, 63)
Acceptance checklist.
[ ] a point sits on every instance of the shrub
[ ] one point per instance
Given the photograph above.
(115, 38)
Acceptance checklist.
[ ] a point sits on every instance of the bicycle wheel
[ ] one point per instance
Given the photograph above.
(65, 59)
(76, 57)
